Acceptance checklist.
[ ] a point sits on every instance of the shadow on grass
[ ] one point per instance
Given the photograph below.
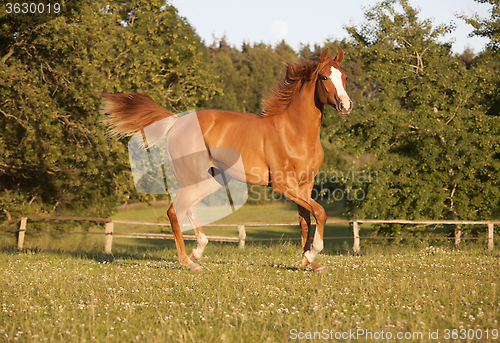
(92, 246)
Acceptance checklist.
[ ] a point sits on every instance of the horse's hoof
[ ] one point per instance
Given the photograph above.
(305, 262)
(194, 266)
(192, 258)
(321, 270)
(318, 268)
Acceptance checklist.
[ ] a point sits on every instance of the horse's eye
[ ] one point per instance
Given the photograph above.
(324, 78)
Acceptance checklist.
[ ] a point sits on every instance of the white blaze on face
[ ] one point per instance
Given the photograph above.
(336, 77)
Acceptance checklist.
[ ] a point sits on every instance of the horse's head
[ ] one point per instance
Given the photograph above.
(330, 83)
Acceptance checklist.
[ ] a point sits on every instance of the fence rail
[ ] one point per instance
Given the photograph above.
(109, 230)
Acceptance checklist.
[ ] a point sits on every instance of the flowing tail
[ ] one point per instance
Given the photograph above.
(130, 113)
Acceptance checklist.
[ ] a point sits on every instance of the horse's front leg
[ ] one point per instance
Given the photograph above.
(302, 197)
(305, 228)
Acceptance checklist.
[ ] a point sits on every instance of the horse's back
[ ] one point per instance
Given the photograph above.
(223, 118)
(231, 128)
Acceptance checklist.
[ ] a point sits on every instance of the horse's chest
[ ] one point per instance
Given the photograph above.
(304, 167)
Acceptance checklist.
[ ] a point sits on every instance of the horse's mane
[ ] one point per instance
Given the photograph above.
(296, 75)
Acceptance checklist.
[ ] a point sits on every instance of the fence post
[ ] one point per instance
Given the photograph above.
(490, 236)
(242, 235)
(22, 231)
(458, 235)
(108, 239)
(355, 229)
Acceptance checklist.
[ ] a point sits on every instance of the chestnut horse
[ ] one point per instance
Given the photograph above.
(280, 147)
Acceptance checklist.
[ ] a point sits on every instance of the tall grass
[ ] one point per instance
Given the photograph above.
(62, 287)
(259, 294)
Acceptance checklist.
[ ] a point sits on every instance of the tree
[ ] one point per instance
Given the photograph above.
(159, 52)
(232, 77)
(247, 75)
(488, 60)
(489, 28)
(435, 151)
(54, 152)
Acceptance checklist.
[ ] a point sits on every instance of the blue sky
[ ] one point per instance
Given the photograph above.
(312, 21)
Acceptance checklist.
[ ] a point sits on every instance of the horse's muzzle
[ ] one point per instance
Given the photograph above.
(342, 109)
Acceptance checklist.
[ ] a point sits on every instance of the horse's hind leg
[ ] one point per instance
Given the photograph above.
(179, 239)
(185, 203)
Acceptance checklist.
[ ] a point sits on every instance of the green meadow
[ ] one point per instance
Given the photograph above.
(259, 294)
(64, 288)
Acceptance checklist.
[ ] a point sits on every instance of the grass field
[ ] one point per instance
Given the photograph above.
(258, 294)
(68, 290)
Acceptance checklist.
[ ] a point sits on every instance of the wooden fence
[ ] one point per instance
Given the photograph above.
(109, 230)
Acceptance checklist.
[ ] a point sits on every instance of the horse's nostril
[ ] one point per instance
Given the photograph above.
(350, 106)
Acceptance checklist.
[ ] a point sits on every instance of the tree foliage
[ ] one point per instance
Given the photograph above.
(424, 120)
(487, 27)
(247, 75)
(54, 153)
(421, 127)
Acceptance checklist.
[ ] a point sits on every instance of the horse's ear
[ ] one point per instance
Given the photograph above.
(324, 56)
(340, 56)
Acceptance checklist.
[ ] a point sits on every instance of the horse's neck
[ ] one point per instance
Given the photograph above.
(304, 114)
